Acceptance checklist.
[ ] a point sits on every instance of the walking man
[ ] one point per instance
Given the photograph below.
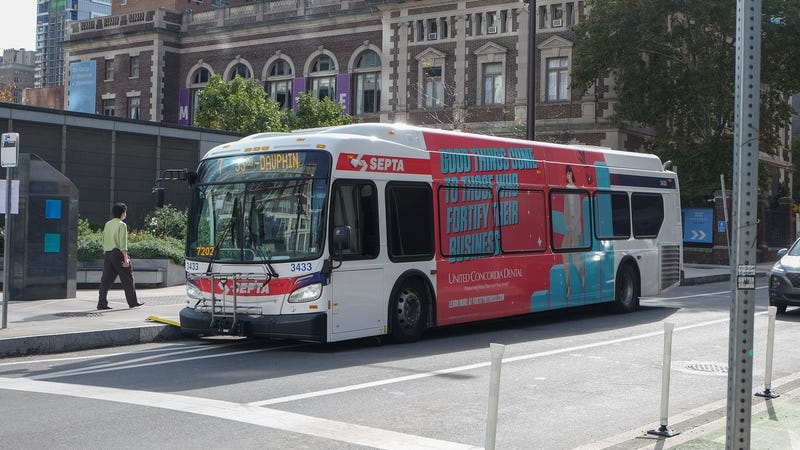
(116, 261)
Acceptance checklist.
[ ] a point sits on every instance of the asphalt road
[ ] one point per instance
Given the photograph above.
(582, 378)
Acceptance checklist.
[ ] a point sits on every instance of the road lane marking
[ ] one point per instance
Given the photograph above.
(265, 417)
(108, 355)
(121, 365)
(417, 376)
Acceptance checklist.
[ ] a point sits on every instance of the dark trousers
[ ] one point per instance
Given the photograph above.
(112, 267)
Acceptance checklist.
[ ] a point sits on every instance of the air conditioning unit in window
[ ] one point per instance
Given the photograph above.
(432, 36)
(557, 23)
(491, 30)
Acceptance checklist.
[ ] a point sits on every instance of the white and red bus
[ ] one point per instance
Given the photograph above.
(386, 229)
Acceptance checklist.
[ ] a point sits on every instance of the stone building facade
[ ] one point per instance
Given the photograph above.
(442, 63)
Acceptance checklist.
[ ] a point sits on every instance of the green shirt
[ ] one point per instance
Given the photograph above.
(115, 235)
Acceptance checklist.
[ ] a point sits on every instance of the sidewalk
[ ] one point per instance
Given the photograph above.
(74, 324)
(67, 325)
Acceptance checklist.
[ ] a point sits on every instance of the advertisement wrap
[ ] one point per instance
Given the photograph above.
(541, 197)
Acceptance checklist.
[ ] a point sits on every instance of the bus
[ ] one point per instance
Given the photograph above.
(365, 230)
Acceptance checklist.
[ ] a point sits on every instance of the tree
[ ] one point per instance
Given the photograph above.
(313, 113)
(7, 92)
(672, 62)
(240, 106)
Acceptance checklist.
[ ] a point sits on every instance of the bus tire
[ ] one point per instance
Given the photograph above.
(626, 290)
(409, 313)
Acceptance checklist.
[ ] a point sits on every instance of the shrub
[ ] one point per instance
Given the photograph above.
(141, 244)
(166, 221)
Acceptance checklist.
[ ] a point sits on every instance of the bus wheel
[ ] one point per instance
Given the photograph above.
(627, 299)
(409, 312)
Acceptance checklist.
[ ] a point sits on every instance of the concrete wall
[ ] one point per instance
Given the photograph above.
(110, 160)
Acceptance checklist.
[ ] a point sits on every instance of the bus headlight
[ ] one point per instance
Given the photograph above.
(306, 293)
(193, 292)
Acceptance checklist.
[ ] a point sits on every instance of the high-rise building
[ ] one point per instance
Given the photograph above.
(17, 69)
(51, 28)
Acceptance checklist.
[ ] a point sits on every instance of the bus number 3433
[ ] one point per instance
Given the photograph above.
(301, 267)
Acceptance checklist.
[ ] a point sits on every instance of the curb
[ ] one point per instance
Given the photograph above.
(86, 340)
(694, 281)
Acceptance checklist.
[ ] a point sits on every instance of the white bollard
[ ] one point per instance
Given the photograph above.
(663, 430)
(773, 311)
(494, 394)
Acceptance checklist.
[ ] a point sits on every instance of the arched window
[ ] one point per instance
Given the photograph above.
(239, 69)
(201, 76)
(199, 81)
(368, 82)
(323, 77)
(279, 82)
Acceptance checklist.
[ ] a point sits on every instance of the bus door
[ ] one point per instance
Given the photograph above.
(357, 284)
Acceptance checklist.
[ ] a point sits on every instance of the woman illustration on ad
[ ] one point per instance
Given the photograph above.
(573, 216)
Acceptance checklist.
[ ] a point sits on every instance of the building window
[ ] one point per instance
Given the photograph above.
(368, 83)
(134, 66)
(493, 85)
(199, 80)
(134, 107)
(557, 79)
(108, 107)
(239, 69)
(109, 69)
(434, 90)
(323, 77)
(279, 83)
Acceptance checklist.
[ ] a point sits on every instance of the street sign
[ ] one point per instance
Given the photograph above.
(9, 149)
(698, 226)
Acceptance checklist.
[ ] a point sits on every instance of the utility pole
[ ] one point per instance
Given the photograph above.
(531, 131)
(745, 197)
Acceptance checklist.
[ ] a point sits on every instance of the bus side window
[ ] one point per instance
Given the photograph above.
(648, 214)
(570, 220)
(355, 204)
(409, 221)
(612, 215)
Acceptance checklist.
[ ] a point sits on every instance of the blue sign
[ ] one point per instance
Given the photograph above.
(82, 86)
(698, 226)
(721, 226)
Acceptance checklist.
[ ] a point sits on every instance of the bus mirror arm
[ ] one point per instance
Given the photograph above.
(341, 242)
(171, 175)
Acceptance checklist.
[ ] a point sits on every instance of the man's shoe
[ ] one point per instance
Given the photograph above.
(103, 307)
(138, 304)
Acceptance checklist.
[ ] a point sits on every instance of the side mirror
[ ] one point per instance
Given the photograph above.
(782, 252)
(158, 196)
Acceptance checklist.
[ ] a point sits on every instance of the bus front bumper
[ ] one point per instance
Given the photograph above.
(305, 327)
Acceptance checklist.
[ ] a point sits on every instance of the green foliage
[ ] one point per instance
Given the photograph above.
(90, 245)
(673, 67)
(240, 106)
(166, 222)
(141, 244)
(313, 113)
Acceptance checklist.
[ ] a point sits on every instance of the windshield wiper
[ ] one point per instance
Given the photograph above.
(225, 232)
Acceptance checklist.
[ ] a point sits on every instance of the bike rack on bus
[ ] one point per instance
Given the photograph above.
(219, 310)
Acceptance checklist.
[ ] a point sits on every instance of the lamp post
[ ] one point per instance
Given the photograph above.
(531, 131)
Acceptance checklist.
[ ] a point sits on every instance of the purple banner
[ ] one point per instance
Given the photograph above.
(298, 86)
(184, 101)
(343, 91)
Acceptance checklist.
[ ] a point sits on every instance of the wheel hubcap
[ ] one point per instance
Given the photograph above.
(408, 308)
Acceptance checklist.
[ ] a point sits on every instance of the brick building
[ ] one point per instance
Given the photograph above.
(442, 63)
(17, 69)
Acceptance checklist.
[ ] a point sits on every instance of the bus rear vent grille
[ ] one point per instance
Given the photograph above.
(670, 265)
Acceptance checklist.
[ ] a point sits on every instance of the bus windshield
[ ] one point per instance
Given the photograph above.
(246, 210)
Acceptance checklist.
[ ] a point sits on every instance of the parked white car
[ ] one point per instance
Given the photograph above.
(784, 279)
